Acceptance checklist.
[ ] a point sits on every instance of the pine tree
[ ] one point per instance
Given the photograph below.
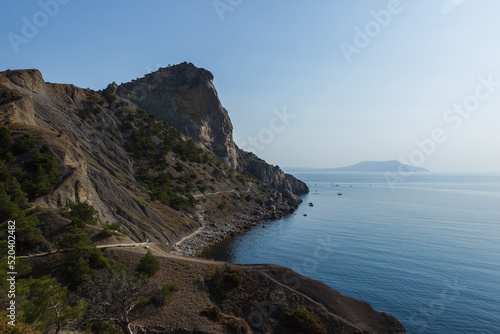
(6, 140)
(148, 265)
(17, 195)
(47, 306)
(7, 208)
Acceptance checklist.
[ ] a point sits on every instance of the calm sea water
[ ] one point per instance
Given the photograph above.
(426, 250)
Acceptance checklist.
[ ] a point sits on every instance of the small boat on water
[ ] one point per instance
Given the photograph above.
(339, 194)
(305, 215)
(310, 204)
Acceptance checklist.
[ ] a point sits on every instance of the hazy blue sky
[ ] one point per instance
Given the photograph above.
(363, 80)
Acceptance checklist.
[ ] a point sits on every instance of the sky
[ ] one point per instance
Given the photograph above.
(318, 84)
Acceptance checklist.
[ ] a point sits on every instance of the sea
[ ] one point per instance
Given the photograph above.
(423, 247)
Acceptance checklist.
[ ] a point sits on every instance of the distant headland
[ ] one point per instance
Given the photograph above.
(365, 166)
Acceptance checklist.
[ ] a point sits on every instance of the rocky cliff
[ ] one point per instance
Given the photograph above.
(95, 137)
(185, 96)
(179, 181)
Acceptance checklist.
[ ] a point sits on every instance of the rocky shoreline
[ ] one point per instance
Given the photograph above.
(212, 233)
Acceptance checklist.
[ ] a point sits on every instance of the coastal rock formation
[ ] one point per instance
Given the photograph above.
(166, 183)
(185, 96)
(88, 133)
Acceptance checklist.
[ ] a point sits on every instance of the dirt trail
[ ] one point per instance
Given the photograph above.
(223, 191)
(157, 251)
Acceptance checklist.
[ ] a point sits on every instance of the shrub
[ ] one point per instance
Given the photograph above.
(7, 208)
(224, 280)
(19, 328)
(82, 213)
(148, 265)
(179, 167)
(45, 148)
(82, 256)
(8, 96)
(142, 114)
(102, 327)
(212, 312)
(109, 229)
(84, 113)
(14, 190)
(39, 175)
(23, 144)
(165, 294)
(28, 233)
(303, 320)
(236, 325)
(6, 140)
(172, 287)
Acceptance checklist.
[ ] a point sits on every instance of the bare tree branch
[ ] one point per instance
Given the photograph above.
(118, 296)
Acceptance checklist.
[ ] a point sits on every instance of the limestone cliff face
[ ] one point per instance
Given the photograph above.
(185, 96)
(98, 167)
(275, 177)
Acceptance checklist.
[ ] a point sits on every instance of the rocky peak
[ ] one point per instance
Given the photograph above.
(185, 96)
(112, 87)
(28, 79)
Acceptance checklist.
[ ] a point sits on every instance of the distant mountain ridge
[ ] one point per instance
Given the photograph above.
(366, 166)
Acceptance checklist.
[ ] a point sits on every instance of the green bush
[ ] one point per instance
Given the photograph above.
(305, 321)
(84, 113)
(6, 140)
(16, 193)
(110, 97)
(165, 294)
(108, 229)
(19, 328)
(28, 233)
(39, 175)
(212, 312)
(4, 172)
(7, 207)
(225, 279)
(23, 144)
(179, 167)
(8, 96)
(140, 142)
(172, 287)
(148, 265)
(81, 256)
(102, 327)
(82, 213)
